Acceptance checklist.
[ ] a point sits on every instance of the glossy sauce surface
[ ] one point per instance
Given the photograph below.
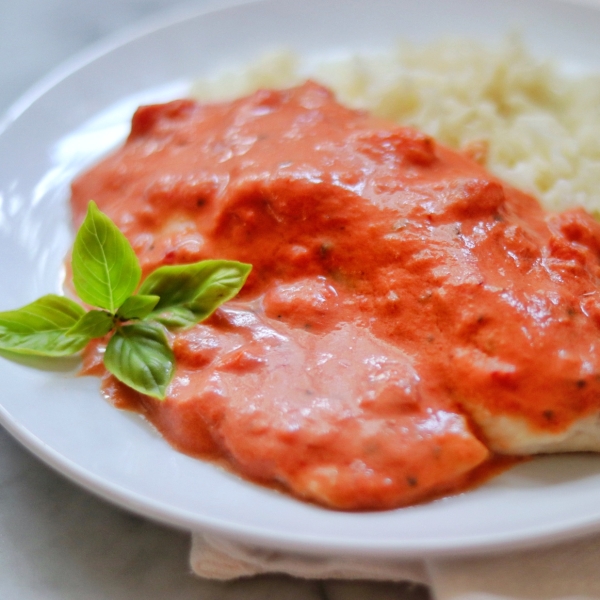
(400, 296)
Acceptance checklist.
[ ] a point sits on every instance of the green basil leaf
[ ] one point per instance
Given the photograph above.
(137, 307)
(178, 317)
(93, 324)
(139, 355)
(41, 328)
(106, 270)
(224, 283)
(198, 287)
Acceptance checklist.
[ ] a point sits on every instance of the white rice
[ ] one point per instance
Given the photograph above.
(529, 122)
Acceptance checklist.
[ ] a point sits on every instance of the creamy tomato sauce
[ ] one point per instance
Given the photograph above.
(400, 296)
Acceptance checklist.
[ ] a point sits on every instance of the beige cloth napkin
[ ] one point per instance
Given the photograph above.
(568, 571)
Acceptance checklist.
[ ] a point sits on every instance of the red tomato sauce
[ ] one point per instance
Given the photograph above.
(398, 293)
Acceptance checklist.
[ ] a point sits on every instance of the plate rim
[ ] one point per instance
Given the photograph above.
(319, 546)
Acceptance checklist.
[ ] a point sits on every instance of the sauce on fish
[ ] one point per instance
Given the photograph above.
(401, 297)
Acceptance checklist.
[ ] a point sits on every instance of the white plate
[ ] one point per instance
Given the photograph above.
(82, 111)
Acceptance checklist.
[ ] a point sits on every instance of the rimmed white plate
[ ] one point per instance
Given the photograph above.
(82, 111)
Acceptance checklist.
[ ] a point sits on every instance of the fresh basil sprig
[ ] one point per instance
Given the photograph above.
(106, 275)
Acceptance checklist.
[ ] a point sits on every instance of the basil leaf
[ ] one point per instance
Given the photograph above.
(139, 355)
(41, 328)
(223, 284)
(93, 324)
(198, 287)
(137, 307)
(176, 318)
(105, 268)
